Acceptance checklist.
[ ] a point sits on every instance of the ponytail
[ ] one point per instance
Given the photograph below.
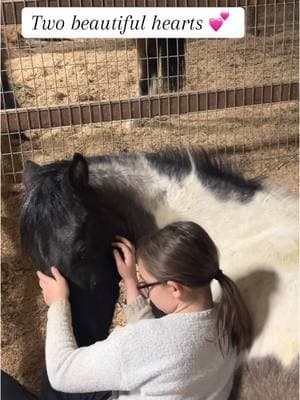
(184, 252)
(234, 324)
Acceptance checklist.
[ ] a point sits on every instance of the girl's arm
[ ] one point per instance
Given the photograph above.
(77, 370)
(127, 267)
(137, 307)
(132, 292)
(72, 369)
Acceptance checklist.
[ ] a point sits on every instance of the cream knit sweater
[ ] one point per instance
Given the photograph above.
(172, 358)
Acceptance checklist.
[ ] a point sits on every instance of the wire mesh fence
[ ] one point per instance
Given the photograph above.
(239, 95)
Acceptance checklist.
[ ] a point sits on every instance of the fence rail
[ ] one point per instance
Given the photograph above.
(21, 119)
(61, 87)
(37, 118)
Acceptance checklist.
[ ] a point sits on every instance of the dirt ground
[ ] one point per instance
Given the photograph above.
(260, 140)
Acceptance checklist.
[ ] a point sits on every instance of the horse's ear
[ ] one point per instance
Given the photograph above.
(30, 170)
(78, 171)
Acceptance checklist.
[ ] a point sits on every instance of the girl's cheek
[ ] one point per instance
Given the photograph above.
(163, 304)
(158, 303)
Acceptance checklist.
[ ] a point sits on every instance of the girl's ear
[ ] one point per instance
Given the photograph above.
(176, 289)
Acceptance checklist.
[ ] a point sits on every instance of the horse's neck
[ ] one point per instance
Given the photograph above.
(123, 211)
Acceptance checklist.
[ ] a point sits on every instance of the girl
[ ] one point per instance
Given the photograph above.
(190, 353)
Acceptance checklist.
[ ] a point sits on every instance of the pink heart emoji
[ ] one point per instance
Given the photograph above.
(216, 23)
(224, 15)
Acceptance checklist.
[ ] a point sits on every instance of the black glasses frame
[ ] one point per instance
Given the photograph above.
(144, 288)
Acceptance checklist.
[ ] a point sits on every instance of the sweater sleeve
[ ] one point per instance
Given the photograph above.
(78, 370)
(139, 309)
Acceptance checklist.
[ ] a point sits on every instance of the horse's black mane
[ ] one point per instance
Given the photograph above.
(53, 170)
(47, 207)
(212, 170)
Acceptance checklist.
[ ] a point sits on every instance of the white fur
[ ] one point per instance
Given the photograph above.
(257, 240)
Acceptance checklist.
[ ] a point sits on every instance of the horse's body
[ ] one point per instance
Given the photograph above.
(255, 230)
(73, 210)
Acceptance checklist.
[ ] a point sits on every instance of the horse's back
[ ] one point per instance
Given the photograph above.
(254, 226)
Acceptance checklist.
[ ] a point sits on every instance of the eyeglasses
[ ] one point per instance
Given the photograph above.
(144, 288)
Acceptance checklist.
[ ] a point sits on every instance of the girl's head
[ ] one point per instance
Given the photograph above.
(182, 260)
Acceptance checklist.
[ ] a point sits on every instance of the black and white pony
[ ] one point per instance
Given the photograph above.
(73, 210)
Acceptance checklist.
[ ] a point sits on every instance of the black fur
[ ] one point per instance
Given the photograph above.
(171, 55)
(174, 163)
(68, 223)
(212, 171)
(225, 182)
(57, 229)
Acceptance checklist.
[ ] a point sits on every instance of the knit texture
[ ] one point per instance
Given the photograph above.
(173, 358)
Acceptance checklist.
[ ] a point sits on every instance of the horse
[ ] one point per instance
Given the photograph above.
(161, 67)
(169, 55)
(73, 209)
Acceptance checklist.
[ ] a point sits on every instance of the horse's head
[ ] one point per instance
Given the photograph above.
(70, 219)
(60, 224)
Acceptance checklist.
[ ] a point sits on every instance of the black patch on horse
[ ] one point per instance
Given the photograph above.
(219, 177)
(174, 163)
(211, 170)
(123, 158)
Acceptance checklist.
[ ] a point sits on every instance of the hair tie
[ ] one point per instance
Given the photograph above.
(218, 275)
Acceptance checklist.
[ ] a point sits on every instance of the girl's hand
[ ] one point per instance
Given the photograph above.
(126, 267)
(54, 289)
